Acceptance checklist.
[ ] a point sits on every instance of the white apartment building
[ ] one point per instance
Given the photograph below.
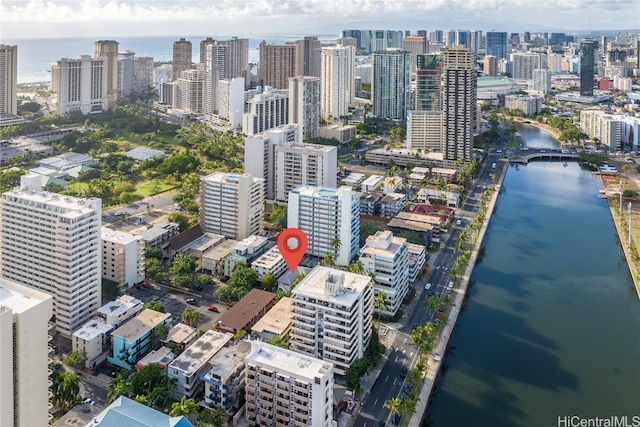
(332, 312)
(51, 243)
(542, 80)
(126, 73)
(279, 157)
(304, 105)
(24, 349)
(417, 258)
(327, 214)
(189, 91)
(337, 87)
(93, 338)
(285, 388)
(525, 63)
(80, 84)
(387, 256)
(528, 104)
(231, 204)
(605, 127)
(424, 130)
(266, 110)
(143, 73)
(231, 101)
(224, 380)
(371, 183)
(187, 368)
(245, 251)
(271, 262)
(122, 257)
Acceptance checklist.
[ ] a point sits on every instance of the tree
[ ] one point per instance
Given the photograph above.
(353, 374)
(155, 305)
(328, 260)
(393, 405)
(182, 220)
(335, 244)
(356, 267)
(118, 386)
(379, 302)
(278, 217)
(183, 407)
(183, 264)
(191, 317)
(68, 390)
(432, 303)
(179, 164)
(76, 359)
(277, 341)
(152, 252)
(268, 281)
(205, 279)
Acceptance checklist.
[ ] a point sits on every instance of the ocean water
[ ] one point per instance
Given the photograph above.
(35, 56)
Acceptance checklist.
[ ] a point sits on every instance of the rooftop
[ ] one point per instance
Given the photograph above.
(144, 153)
(238, 316)
(221, 251)
(392, 198)
(225, 362)
(158, 230)
(383, 243)
(204, 242)
(269, 259)
(180, 333)
(19, 298)
(162, 356)
(119, 306)
(66, 160)
(296, 364)
(127, 412)
(144, 322)
(277, 320)
(93, 328)
(199, 353)
(120, 237)
(332, 285)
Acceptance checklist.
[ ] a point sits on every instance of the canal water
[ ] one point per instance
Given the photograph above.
(551, 325)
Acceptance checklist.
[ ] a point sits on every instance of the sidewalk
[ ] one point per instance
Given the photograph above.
(433, 366)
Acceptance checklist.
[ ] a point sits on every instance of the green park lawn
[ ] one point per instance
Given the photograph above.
(154, 186)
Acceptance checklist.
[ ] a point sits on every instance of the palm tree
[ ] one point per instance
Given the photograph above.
(447, 300)
(379, 302)
(432, 303)
(356, 267)
(68, 389)
(335, 244)
(328, 260)
(119, 386)
(183, 407)
(191, 317)
(393, 405)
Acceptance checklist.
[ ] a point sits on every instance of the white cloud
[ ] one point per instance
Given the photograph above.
(570, 14)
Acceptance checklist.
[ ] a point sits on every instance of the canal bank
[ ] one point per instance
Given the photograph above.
(435, 362)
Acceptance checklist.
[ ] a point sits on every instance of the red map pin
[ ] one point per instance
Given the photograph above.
(292, 243)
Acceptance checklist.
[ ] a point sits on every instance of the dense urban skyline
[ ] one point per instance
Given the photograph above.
(38, 18)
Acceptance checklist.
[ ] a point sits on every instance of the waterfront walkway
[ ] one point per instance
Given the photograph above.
(434, 363)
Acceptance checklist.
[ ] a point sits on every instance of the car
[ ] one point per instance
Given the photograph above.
(407, 387)
(427, 286)
(436, 322)
(403, 372)
(415, 325)
(88, 400)
(448, 290)
(459, 222)
(191, 301)
(450, 285)
(213, 308)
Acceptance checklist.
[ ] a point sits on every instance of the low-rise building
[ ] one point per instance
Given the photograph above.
(530, 105)
(387, 256)
(370, 203)
(93, 338)
(140, 154)
(271, 262)
(212, 261)
(132, 341)
(275, 323)
(246, 312)
(187, 368)
(127, 412)
(343, 133)
(391, 184)
(161, 358)
(159, 235)
(371, 183)
(391, 204)
(225, 378)
(417, 258)
(246, 251)
(120, 310)
(432, 194)
(287, 388)
(353, 180)
(180, 335)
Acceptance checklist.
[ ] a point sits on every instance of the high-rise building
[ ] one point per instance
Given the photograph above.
(279, 157)
(415, 45)
(126, 73)
(391, 85)
(497, 44)
(277, 64)
(81, 84)
(8, 79)
(308, 57)
(237, 59)
(424, 122)
(230, 101)
(525, 63)
(286, 388)
(189, 94)
(336, 81)
(109, 49)
(24, 377)
(587, 66)
(356, 34)
(214, 70)
(203, 48)
(449, 38)
(557, 39)
(231, 204)
(327, 215)
(332, 311)
(490, 65)
(387, 256)
(527, 37)
(514, 39)
(476, 41)
(143, 73)
(304, 105)
(463, 38)
(51, 243)
(182, 51)
(459, 103)
(266, 110)
(122, 258)
(436, 36)
(542, 80)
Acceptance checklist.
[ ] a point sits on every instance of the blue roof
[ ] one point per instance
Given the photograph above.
(126, 412)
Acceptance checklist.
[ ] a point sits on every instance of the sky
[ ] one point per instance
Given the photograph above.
(86, 18)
